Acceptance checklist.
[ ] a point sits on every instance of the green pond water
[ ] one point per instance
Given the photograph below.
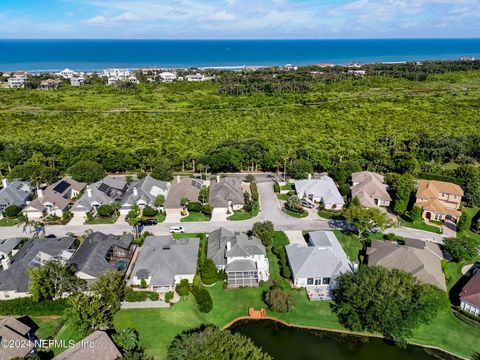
(282, 342)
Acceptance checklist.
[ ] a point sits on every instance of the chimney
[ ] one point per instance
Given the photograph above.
(229, 245)
(5, 263)
(178, 179)
(89, 191)
(309, 176)
(4, 183)
(218, 178)
(39, 192)
(135, 191)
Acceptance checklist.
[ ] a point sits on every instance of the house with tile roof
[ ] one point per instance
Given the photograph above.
(163, 262)
(242, 257)
(322, 190)
(97, 345)
(439, 200)
(14, 193)
(14, 281)
(420, 258)
(470, 295)
(101, 253)
(143, 193)
(317, 265)
(55, 199)
(370, 189)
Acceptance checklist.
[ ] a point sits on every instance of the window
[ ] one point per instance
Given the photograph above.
(326, 281)
(318, 281)
(309, 281)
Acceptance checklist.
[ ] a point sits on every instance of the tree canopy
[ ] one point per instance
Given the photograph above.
(209, 342)
(391, 302)
(87, 171)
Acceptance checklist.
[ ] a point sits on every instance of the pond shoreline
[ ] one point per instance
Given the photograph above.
(241, 319)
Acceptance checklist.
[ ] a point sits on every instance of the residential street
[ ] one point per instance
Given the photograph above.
(270, 210)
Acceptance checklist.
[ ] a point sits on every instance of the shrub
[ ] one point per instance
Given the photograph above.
(22, 306)
(276, 187)
(203, 299)
(194, 206)
(209, 272)
(149, 211)
(207, 209)
(105, 210)
(183, 289)
(416, 214)
(464, 222)
(249, 178)
(168, 296)
(143, 283)
(294, 203)
(264, 231)
(11, 211)
(139, 296)
(254, 191)
(197, 282)
(344, 189)
(461, 248)
(279, 300)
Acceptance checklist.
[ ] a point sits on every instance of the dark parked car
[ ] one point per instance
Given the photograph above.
(149, 222)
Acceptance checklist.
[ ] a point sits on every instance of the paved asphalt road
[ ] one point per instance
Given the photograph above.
(270, 210)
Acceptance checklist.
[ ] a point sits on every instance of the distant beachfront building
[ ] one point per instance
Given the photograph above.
(151, 70)
(17, 80)
(49, 84)
(357, 72)
(167, 77)
(116, 73)
(77, 81)
(196, 77)
(67, 73)
(290, 67)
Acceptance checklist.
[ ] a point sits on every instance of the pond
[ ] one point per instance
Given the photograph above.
(283, 342)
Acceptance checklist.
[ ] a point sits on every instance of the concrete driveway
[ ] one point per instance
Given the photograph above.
(296, 237)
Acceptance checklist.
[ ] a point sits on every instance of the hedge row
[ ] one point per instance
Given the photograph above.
(26, 306)
(254, 191)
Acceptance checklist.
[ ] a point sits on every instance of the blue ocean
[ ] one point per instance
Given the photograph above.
(90, 55)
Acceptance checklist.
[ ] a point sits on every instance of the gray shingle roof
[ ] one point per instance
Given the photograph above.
(13, 330)
(241, 245)
(423, 262)
(15, 277)
(103, 349)
(105, 191)
(162, 257)
(241, 265)
(90, 258)
(7, 245)
(182, 187)
(324, 257)
(147, 189)
(323, 188)
(16, 193)
(227, 190)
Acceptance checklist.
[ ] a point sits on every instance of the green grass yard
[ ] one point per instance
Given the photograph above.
(350, 245)
(295, 214)
(102, 220)
(420, 225)
(9, 222)
(46, 325)
(280, 239)
(195, 216)
(282, 197)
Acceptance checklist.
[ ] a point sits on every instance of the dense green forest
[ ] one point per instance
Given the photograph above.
(380, 123)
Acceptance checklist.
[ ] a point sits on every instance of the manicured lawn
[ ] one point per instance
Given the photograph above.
(350, 245)
(102, 220)
(452, 271)
(160, 217)
(282, 197)
(8, 222)
(472, 212)
(240, 215)
(195, 216)
(46, 325)
(295, 214)
(280, 239)
(287, 186)
(420, 225)
(330, 214)
(66, 334)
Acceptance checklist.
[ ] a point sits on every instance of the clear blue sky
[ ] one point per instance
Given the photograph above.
(224, 19)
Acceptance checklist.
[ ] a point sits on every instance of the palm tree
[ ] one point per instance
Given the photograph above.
(127, 339)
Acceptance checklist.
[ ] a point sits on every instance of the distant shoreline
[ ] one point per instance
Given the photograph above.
(95, 55)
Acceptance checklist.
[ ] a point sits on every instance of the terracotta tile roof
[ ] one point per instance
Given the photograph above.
(431, 189)
(436, 206)
(471, 291)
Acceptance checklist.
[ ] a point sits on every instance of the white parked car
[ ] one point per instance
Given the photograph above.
(177, 229)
